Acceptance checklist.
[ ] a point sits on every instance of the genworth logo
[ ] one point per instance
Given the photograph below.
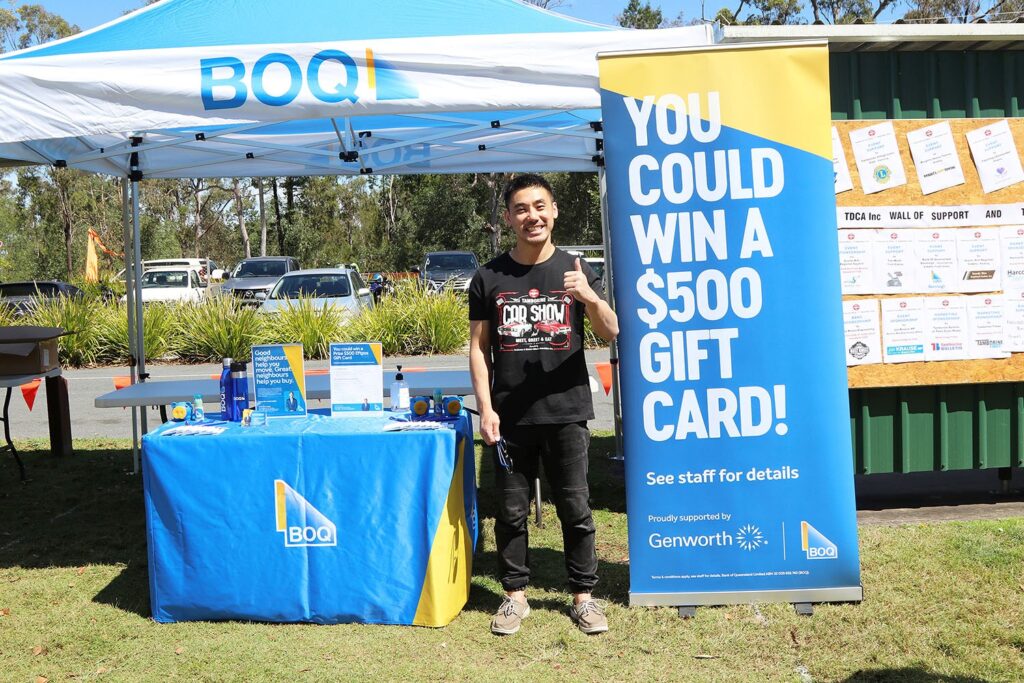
(301, 523)
(750, 538)
(815, 545)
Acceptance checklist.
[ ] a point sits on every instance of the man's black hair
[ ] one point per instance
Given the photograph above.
(521, 182)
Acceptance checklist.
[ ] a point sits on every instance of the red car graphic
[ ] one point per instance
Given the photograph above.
(559, 331)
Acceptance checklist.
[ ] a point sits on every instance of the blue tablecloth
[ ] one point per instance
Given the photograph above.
(316, 519)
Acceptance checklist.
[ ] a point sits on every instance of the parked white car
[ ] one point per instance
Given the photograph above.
(171, 284)
(339, 287)
(200, 265)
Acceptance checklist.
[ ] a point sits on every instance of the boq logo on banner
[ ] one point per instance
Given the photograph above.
(734, 398)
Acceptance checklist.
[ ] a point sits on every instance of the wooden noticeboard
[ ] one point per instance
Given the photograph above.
(970, 193)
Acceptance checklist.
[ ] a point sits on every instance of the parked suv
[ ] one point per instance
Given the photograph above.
(21, 296)
(252, 278)
(449, 269)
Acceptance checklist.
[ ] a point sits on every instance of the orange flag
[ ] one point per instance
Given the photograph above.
(29, 390)
(604, 371)
(92, 264)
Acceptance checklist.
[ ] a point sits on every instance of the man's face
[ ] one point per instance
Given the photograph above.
(531, 214)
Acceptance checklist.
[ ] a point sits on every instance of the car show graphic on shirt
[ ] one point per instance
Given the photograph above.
(735, 406)
(534, 320)
(302, 524)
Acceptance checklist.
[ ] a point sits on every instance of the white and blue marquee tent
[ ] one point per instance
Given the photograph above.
(225, 88)
(230, 88)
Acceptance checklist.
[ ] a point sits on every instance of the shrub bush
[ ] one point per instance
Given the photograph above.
(216, 328)
(77, 315)
(8, 316)
(160, 330)
(414, 320)
(302, 321)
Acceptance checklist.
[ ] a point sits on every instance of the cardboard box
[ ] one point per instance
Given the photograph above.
(29, 350)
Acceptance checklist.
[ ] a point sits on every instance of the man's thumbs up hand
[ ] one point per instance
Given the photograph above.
(577, 285)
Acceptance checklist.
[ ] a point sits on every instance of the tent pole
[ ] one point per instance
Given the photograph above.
(613, 348)
(129, 281)
(140, 344)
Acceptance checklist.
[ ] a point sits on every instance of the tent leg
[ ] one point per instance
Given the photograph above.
(129, 280)
(140, 344)
(613, 350)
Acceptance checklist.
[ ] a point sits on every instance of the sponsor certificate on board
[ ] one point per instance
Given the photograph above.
(935, 252)
(986, 325)
(935, 158)
(903, 336)
(946, 328)
(840, 169)
(878, 158)
(863, 332)
(1013, 320)
(995, 156)
(896, 270)
(978, 258)
(857, 259)
(1011, 256)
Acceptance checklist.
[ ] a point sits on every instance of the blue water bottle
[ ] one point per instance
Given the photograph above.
(239, 390)
(225, 390)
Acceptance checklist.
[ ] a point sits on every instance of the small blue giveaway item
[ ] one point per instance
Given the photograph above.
(181, 411)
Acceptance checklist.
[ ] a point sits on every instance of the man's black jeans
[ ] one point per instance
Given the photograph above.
(563, 450)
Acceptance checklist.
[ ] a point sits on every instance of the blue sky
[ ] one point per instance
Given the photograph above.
(90, 13)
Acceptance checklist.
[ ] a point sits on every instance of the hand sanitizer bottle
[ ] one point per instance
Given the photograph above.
(399, 392)
(198, 413)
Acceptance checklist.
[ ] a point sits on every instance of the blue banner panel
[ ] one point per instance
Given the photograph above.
(317, 519)
(734, 396)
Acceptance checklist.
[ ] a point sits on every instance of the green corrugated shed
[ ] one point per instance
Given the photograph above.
(937, 428)
(924, 72)
(927, 85)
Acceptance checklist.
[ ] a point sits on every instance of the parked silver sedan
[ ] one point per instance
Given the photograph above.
(338, 287)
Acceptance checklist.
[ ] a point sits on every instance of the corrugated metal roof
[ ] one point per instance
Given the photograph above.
(914, 71)
(889, 37)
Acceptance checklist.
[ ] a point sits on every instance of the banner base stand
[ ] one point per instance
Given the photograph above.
(687, 611)
(797, 596)
(804, 609)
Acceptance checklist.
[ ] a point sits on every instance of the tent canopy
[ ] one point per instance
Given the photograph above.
(219, 88)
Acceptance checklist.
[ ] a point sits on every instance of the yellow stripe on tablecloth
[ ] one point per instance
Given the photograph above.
(450, 566)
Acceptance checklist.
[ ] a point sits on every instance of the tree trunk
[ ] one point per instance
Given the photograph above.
(277, 216)
(496, 184)
(60, 184)
(263, 220)
(236, 188)
(198, 216)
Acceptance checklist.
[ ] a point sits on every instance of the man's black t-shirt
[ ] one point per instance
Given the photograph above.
(536, 330)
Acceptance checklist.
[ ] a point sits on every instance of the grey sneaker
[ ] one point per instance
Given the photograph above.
(589, 616)
(509, 617)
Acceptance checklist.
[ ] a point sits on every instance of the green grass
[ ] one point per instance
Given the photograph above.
(944, 602)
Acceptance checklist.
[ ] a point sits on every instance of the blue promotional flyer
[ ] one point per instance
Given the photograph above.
(739, 470)
(279, 380)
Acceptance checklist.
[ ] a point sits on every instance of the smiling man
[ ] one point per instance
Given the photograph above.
(526, 311)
